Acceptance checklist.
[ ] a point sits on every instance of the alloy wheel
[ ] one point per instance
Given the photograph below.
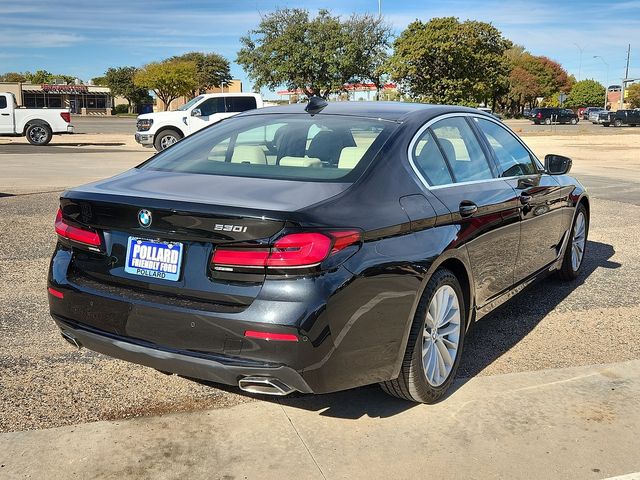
(578, 241)
(441, 335)
(37, 134)
(167, 141)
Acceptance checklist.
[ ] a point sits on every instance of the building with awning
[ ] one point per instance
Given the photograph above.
(80, 99)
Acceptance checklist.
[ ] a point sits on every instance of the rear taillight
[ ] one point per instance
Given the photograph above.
(80, 235)
(66, 116)
(295, 250)
(539, 115)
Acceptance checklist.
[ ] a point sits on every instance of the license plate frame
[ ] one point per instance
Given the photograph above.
(154, 258)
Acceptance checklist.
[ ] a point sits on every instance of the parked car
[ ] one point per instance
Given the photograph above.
(553, 115)
(272, 251)
(595, 114)
(37, 124)
(163, 129)
(622, 117)
(587, 112)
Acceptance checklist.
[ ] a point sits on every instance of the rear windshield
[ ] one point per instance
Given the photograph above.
(302, 147)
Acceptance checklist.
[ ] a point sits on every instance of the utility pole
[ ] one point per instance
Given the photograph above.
(606, 87)
(580, 64)
(625, 79)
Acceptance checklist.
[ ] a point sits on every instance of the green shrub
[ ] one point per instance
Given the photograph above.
(124, 108)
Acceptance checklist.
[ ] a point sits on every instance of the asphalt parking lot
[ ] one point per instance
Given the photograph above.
(593, 321)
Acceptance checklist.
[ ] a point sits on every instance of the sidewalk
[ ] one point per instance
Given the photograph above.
(580, 423)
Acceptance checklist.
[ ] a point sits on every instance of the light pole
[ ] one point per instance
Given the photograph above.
(606, 87)
(580, 64)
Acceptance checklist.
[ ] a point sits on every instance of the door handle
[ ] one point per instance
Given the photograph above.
(525, 199)
(5, 114)
(467, 208)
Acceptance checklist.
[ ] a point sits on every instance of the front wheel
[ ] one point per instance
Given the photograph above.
(617, 123)
(165, 139)
(574, 252)
(39, 134)
(573, 121)
(435, 342)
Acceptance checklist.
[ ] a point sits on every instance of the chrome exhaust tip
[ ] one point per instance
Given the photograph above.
(71, 339)
(265, 386)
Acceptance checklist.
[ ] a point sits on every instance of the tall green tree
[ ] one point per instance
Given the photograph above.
(317, 55)
(169, 80)
(100, 81)
(212, 70)
(448, 61)
(120, 81)
(43, 76)
(586, 93)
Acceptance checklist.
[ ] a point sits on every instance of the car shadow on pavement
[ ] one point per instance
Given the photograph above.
(487, 340)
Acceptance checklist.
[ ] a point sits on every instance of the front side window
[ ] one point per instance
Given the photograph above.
(513, 158)
(465, 157)
(212, 106)
(278, 146)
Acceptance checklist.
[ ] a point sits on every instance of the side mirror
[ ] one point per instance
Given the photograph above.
(557, 164)
(196, 112)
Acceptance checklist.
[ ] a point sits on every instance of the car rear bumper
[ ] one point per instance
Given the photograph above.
(144, 139)
(213, 368)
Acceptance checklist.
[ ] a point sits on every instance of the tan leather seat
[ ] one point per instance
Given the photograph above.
(300, 162)
(249, 154)
(350, 156)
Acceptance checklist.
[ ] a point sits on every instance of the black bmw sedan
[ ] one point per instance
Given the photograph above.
(316, 248)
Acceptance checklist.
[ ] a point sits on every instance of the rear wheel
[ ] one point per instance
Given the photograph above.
(435, 342)
(547, 121)
(38, 134)
(605, 124)
(617, 123)
(165, 139)
(573, 121)
(574, 253)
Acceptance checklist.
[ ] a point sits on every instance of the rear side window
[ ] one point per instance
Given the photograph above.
(465, 157)
(240, 104)
(279, 146)
(3, 102)
(514, 159)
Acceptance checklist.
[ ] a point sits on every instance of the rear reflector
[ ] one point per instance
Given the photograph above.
(291, 251)
(282, 337)
(80, 235)
(66, 116)
(55, 292)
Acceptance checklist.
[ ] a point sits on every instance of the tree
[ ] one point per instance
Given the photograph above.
(633, 92)
(40, 76)
(212, 70)
(586, 93)
(13, 77)
(169, 79)
(316, 55)
(367, 49)
(120, 81)
(448, 61)
(100, 81)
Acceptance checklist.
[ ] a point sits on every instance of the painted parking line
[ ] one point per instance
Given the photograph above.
(628, 476)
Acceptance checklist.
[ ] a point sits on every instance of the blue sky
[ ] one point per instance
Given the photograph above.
(85, 38)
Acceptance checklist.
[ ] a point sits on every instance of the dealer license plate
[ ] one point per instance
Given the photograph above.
(155, 259)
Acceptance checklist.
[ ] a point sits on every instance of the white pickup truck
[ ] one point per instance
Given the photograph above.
(37, 124)
(163, 129)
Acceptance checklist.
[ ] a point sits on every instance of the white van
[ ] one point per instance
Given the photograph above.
(163, 129)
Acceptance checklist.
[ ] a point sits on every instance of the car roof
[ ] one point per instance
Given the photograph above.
(394, 111)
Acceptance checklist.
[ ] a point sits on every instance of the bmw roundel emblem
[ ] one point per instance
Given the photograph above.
(144, 218)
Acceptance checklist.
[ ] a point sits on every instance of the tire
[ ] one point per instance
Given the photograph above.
(570, 269)
(165, 139)
(39, 134)
(605, 124)
(547, 121)
(412, 383)
(573, 121)
(617, 123)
